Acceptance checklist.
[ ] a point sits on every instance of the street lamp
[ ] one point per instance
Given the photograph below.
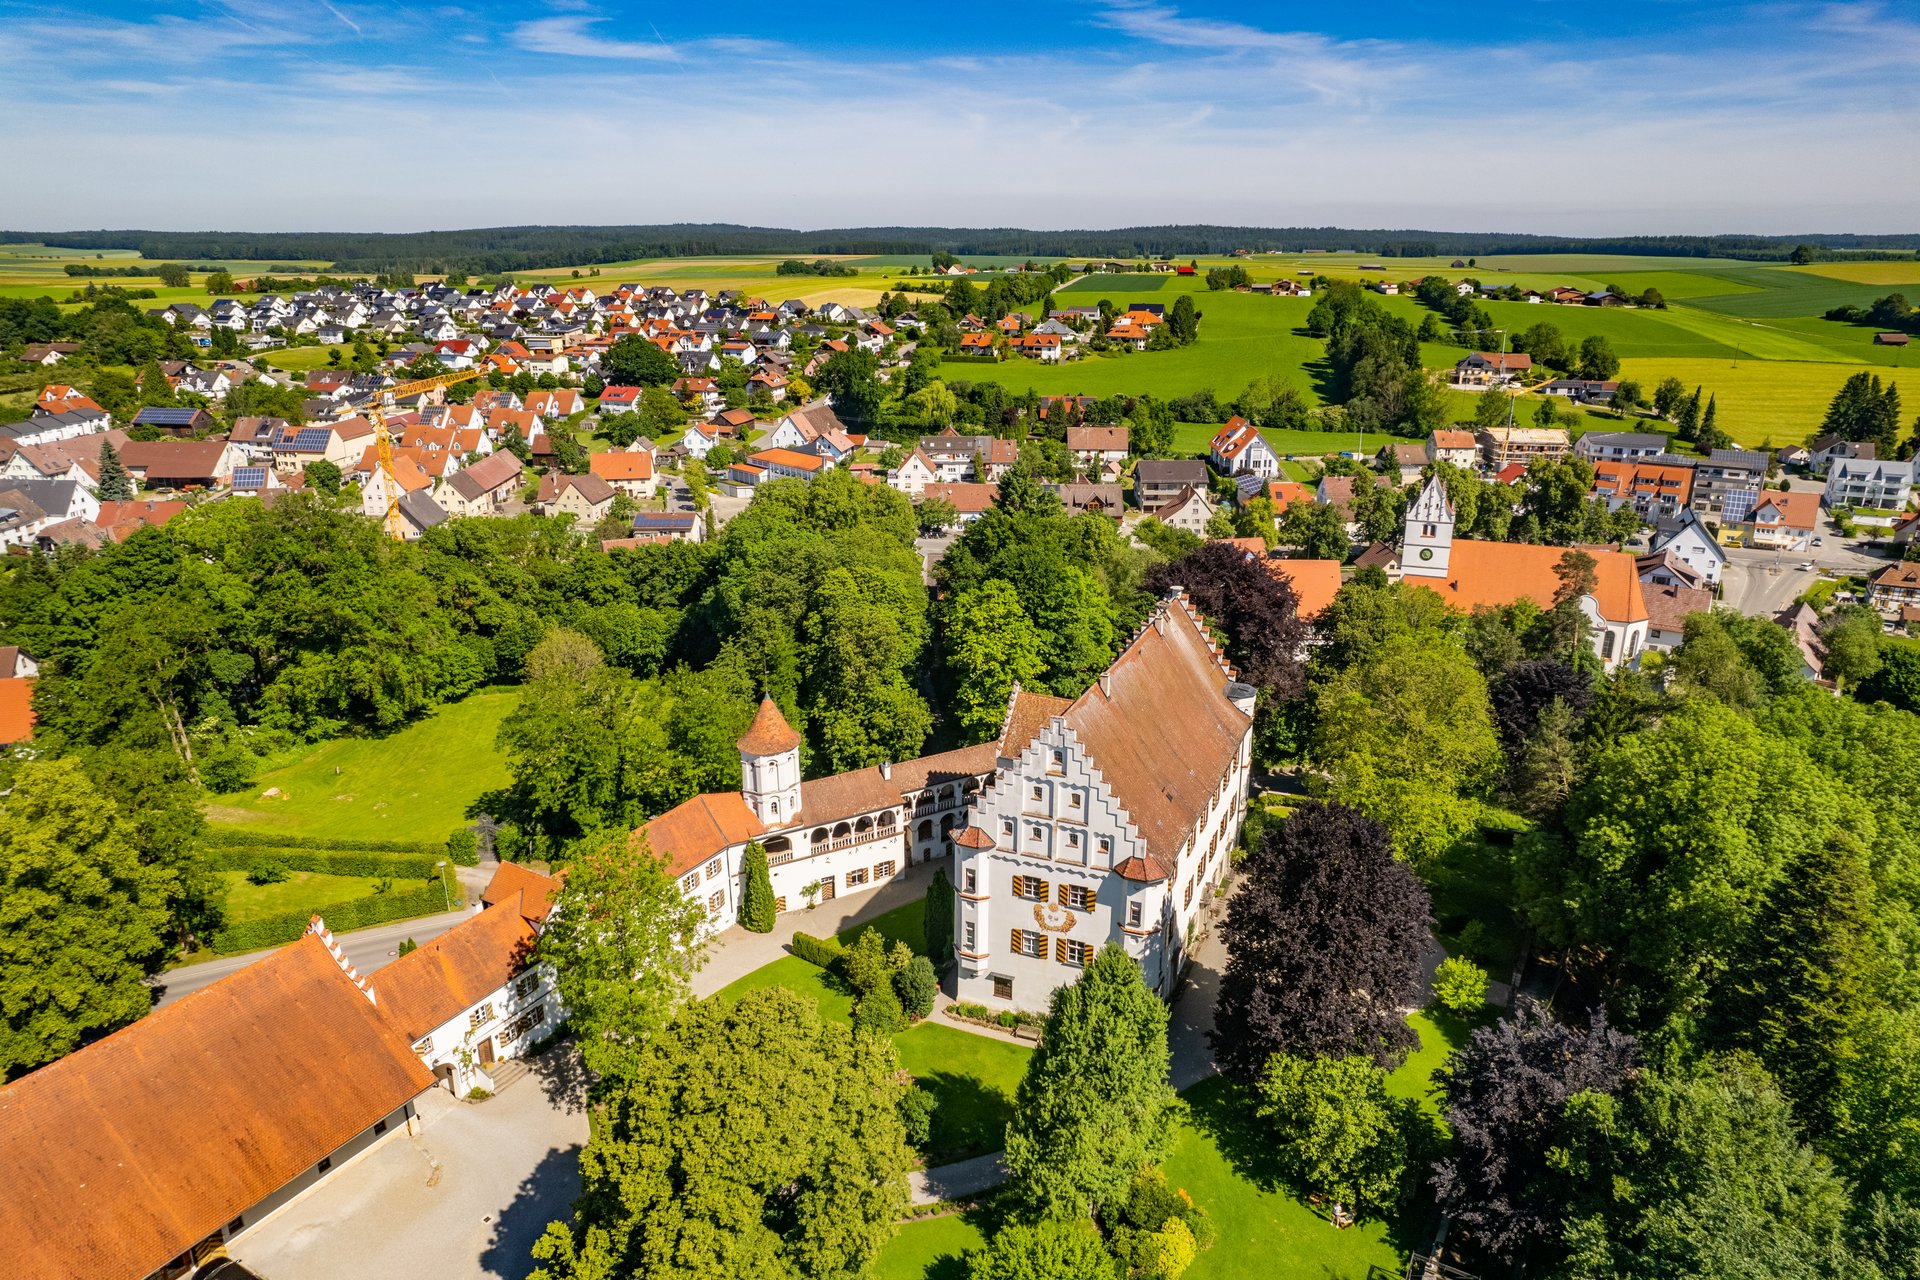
(440, 868)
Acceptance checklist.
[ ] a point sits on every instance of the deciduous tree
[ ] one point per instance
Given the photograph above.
(1251, 602)
(623, 941)
(1323, 939)
(1505, 1097)
(751, 1138)
(992, 645)
(1046, 1250)
(1340, 1134)
(82, 920)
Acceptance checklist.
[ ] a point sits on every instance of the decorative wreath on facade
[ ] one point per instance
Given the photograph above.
(1054, 919)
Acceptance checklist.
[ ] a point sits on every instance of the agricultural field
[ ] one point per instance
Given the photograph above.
(38, 270)
(416, 784)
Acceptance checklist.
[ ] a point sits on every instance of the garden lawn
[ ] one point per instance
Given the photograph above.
(1441, 1035)
(300, 891)
(972, 1077)
(933, 1248)
(300, 359)
(417, 784)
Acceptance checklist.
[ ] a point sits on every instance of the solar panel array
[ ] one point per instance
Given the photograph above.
(249, 477)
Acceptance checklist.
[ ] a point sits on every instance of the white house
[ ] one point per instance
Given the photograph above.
(1239, 446)
(1107, 819)
(1868, 482)
(1689, 541)
(913, 475)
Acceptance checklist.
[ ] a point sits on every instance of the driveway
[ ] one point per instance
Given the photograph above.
(465, 1200)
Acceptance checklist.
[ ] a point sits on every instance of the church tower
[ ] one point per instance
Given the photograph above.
(770, 767)
(1426, 540)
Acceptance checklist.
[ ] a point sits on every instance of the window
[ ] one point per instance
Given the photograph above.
(1036, 832)
(324, 1165)
(883, 870)
(1106, 845)
(234, 1226)
(716, 900)
(525, 986)
(776, 807)
(1003, 988)
(480, 1017)
(856, 876)
(969, 881)
(1073, 839)
(1606, 645)
(713, 868)
(1428, 531)
(1072, 951)
(1032, 888)
(1028, 943)
(1133, 915)
(966, 935)
(691, 882)
(1077, 896)
(1059, 759)
(1073, 800)
(1187, 899)
(1006, 826)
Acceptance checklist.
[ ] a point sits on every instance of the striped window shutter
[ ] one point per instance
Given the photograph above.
(1016, 942)
(1065, 894)
(1019, 886)
(1060, 951)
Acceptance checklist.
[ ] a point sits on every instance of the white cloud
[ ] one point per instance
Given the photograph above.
(573, 36)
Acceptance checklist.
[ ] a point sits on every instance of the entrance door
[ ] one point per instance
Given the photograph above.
(486, 1052)
(826, 888)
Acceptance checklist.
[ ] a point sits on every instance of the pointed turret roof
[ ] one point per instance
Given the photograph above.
(1433, 505)
(769, 734)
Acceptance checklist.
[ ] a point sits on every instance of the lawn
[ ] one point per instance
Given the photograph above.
(972, 1077)
(934, 1248)
(300, 359)
(417, 784)
(1441, 1034)
(300, 891)
(1782, 401)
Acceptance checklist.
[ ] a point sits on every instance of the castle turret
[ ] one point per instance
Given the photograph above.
(770, 766)
(1426, 541)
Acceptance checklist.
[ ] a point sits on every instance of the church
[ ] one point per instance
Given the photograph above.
(1468, 574)
(1102, 818)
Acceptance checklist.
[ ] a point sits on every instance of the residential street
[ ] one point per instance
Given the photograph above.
(1764, 582)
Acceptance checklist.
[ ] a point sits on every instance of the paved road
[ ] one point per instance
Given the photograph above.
(368, 949)
(1765, 582)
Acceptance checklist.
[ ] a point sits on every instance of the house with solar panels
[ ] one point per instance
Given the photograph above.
(182, 421)
(341, 443)
(251, 481)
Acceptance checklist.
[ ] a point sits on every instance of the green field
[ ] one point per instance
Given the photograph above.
(300, 891)
(300, 359)
(417, 784)
(1764, 400)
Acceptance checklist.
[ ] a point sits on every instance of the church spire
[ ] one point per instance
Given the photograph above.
(1426, 539)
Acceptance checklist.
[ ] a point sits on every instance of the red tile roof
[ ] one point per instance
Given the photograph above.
(439, 980)
(769, 734)
(622, 466)
(125, 1154)
(16, 709)
(511, 879)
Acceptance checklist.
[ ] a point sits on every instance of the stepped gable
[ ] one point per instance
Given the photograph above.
(125, 1154)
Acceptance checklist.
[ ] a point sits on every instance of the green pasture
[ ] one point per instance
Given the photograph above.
(417, 784)
(300, 891)
(301, 359)
(1884, 274)
(1783, 291)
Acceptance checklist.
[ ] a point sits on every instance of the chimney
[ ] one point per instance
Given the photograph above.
(886, 769)
(1106, 684)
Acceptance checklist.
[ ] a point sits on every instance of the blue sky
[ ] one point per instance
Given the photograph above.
(1529, 115)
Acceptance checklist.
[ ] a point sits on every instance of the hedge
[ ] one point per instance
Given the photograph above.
(463, 853)
(399, 866)
(825, 952)
(356, 913)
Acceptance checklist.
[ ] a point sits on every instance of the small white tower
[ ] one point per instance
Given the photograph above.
(1426, 540)
(770, 767)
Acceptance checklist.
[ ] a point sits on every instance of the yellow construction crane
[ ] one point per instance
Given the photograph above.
(383, 437)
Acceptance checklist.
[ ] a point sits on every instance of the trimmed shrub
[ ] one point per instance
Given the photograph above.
(247, 837)
(879, 1012)
(267, 871)
(916, 1113)
(968, 1009)
(463, 848)
(938, 921)
(399, 866)
(355, 913)
(825, 952)
(1460, 985)
(916, 986)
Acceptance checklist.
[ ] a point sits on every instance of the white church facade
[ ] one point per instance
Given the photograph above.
(1469, 574)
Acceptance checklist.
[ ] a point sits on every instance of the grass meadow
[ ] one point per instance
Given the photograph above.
(300, 891)
(416, 784)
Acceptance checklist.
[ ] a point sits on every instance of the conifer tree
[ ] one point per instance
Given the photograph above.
(756, 903)
(116, 484)
(1094, 1104)
(939, 920)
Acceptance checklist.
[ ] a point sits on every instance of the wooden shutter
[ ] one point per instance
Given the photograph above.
(1066, 894)
(1016, 942)
(1060, 950)
(1019, 886)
